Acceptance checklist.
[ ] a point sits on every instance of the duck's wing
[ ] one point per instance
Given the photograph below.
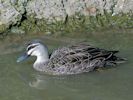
(106, 57)
(71, 54)
(69, 60)
(81, 57)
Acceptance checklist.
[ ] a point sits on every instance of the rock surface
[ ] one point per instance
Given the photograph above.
(13, 11)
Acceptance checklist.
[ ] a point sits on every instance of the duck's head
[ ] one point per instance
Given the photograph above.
(35, 48)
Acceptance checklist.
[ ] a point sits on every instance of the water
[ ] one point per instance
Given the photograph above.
(22, 82)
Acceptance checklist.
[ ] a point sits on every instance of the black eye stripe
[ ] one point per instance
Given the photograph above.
(31, 47)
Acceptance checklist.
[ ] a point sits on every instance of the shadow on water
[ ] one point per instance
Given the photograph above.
(22, 82)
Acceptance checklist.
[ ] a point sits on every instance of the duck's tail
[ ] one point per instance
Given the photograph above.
(113, 60)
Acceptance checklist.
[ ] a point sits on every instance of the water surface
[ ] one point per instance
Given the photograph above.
(22, 82)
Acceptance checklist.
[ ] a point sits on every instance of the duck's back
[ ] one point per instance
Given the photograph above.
(80, 58)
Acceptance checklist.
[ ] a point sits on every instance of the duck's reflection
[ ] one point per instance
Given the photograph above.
(71, 83)
(38, 83)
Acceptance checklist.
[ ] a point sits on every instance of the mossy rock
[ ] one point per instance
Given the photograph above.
(17, 30)
(3, 28)
(76, 24)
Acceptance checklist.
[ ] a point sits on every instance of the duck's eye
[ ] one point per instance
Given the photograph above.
(31, 47)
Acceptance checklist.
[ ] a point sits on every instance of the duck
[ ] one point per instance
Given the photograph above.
(72, 59)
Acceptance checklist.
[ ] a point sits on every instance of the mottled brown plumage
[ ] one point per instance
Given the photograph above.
(80, 58)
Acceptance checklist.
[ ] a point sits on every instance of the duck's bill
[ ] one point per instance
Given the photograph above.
(22, 57)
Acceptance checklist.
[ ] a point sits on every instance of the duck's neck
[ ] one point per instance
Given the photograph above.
(40, 62)
(42, 58)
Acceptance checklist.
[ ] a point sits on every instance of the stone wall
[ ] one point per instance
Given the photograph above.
(13, 12)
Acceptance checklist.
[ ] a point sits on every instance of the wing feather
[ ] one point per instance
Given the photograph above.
(80, 57)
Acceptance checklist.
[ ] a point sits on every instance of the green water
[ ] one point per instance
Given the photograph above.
(22, 82)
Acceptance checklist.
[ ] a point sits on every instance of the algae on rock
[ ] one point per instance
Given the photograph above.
(65, 15)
